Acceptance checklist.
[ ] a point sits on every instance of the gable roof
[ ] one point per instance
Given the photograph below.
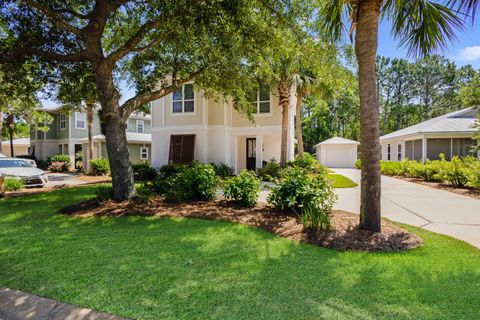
(337, 140)
(454, 122)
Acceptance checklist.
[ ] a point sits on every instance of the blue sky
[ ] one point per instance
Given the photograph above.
(464, 50)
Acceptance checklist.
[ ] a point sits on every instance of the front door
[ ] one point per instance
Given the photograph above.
(251, 153)
(181, 148)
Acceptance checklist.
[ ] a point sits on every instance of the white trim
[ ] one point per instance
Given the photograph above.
(143, 126)
(142, 149)
(84, 120)
(183, 100)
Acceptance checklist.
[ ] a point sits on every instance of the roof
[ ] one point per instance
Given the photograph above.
(133, 137)
(454, 122)
(337, 140)
(18, 142)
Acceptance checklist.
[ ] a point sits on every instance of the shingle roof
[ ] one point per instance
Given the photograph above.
(131, 137)
(337, 140)
(457, 121)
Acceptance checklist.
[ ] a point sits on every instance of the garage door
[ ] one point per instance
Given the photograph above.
(340, 157)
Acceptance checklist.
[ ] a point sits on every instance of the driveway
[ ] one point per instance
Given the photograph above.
(432, 209)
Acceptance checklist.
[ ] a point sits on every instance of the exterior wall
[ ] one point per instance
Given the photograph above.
(337, 155)
(17, 149)
(132, 125)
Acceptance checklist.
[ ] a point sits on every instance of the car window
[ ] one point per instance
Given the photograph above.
(13, 163)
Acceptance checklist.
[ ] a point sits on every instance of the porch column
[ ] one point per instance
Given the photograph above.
(424, 149)
(71, 155)
(259, 151)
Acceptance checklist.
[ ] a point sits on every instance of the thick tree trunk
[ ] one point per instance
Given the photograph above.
(366, 41)
(1, 127)
(10, 123)
(90, 134)
(298, 120)
(284, 100)
(115, 136)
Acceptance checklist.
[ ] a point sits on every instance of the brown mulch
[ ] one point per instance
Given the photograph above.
(94, 179)
(345, 234)
(469, 192)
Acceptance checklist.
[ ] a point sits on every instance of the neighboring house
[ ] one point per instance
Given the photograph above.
(20, 147)
(67, 134)
(450, 134)
(337, 152)
(188, 126)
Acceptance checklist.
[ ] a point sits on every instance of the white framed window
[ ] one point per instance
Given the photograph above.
(80, 120)
(63, 121)
(399, 151)
(261, 100)
(183, 100)
(389, 152)
(144, 153)
(140, 126)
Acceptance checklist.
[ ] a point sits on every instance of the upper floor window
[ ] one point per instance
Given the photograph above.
(399, 152)
(63, 122)
(389, 152)
(261, 100)
(144, 153)
(140, 126)
(80, 120)
(184, 99)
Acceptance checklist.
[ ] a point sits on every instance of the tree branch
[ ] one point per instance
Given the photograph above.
(57, 18)
(132, 43)
(136, 102)
(49, 56)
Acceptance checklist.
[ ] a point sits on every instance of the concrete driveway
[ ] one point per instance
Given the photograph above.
(432, 209)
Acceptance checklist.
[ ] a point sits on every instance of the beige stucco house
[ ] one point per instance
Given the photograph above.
(186, 126)
(450, 134)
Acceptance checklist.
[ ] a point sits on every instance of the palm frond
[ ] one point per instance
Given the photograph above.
(422, 26)
(330, 19)
(468, 7)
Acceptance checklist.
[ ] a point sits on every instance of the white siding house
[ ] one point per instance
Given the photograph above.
(188, 126)
(337, 152)
(450, 134)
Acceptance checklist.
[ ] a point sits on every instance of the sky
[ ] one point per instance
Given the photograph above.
(465, 50)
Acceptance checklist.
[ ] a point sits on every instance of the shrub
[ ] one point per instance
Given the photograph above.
(308, 162)
(13, 184)
(103, 192)
(416, 170)
(145, 192)
(59, 163)
(391, 168)
(472, 172)
(170, 169)
(358, 164)
(144, 172)
(99, 167)
(300, 190)
(314, 218)
(243, 188)
(453, 172)
(195, 182)
(270, 172)
(432, 169)
(222, 170)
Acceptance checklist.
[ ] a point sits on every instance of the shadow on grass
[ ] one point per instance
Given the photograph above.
(151, 268)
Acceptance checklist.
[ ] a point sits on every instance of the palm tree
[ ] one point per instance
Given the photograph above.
(302, 82)
(422, 26)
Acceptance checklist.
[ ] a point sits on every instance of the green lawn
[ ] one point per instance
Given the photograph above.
(148, 268)
(340, 181)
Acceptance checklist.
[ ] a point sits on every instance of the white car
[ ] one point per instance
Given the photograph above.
(23, 169)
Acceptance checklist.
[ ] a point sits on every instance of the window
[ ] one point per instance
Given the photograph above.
(261, 100)
(60, 150)
(126, 125)
(399, 151)
(184, 100)
(80, 120)
(388, 152)
(144, 153)
(63, 122)
(140, 126)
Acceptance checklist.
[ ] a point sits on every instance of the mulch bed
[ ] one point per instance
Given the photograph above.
(469, 192)
(345, 234)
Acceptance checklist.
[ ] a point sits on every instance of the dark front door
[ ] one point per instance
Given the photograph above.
(251, 153)
(181, 148)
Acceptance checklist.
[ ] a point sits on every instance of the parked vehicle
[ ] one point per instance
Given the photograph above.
(23, 169)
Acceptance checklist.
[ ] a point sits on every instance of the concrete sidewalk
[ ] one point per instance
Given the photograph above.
(432, 209)
(17, 305)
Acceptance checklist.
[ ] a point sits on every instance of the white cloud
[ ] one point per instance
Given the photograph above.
(469, 53)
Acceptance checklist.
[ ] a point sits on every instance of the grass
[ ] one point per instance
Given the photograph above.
(150, 268)
(340, 181)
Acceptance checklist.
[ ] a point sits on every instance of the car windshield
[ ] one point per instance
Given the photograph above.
(14, 163)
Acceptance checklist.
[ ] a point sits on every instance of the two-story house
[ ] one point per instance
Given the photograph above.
(67, 134)
(186, 126)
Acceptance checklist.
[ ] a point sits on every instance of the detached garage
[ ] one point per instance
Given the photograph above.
(337, 152)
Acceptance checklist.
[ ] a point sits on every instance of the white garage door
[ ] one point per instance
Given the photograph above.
(340, 156)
